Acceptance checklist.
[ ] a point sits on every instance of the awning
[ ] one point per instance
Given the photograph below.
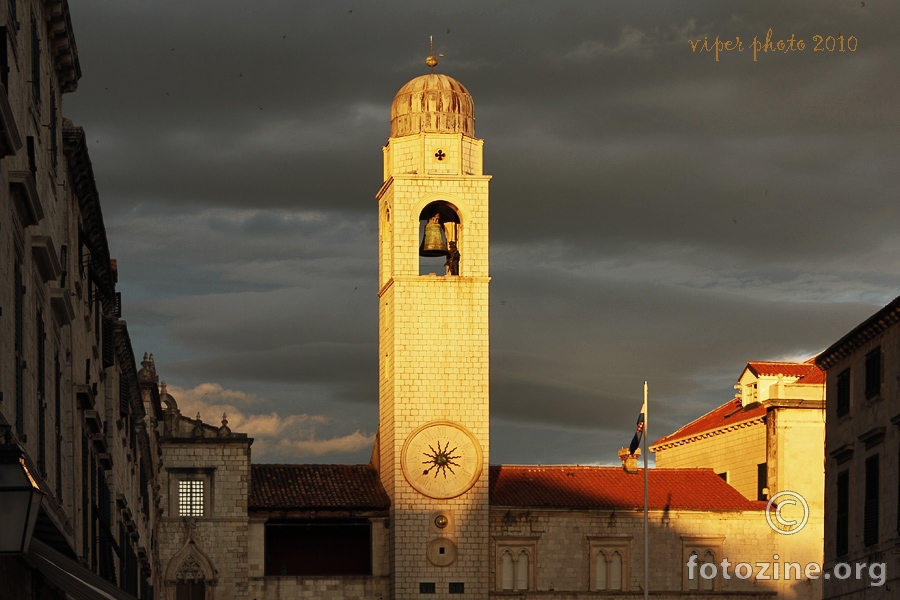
(79, 583)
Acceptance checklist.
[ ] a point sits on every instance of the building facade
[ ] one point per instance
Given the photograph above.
(428, 516)
(862, 512)
(69, 399)
(767, 443)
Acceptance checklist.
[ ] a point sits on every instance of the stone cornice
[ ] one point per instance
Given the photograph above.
(860, 335)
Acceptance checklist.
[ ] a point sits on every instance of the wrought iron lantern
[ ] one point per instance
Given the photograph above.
(20, 501)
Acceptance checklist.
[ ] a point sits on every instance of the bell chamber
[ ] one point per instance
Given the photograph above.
(433, 242)
(441, 229)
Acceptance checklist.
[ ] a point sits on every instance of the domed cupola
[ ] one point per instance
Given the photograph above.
(432, 103)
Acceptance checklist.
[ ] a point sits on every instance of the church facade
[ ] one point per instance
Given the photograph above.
(429, 517)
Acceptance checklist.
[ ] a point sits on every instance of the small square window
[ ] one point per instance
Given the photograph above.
(426, 588)
(457, 587)
(190, 498)
(191, 492)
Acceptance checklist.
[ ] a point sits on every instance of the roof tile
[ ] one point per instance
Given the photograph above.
(316, 486)
(728, 414)
(611, 487)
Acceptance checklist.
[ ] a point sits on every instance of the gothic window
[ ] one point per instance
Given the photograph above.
(190, 582)
(515, 564)
(608, 563)
(706, 583)
(506, 571)
(701, 572)
(522, 571)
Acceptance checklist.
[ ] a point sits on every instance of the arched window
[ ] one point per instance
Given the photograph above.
(609, 563)
(522, 571)
(191, 573)
(506, 571)
(615, 571)
(440, 245)
(601, 582)
(515, 564)
(700, 567)
(694, 578)
(707, 584)
(190, 581)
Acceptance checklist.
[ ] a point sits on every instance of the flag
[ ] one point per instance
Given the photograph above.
(639, 430)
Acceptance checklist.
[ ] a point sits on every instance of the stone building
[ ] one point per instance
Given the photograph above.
(69, 399)
(429, 516)
(862, 503)
(767, 442)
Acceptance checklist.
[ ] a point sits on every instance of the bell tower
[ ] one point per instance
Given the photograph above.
(433, 342)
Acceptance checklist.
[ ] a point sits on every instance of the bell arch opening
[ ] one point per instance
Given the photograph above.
(439, 235)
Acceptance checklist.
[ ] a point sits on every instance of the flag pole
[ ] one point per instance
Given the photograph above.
(646, 504)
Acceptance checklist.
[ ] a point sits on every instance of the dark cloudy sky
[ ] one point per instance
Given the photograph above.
(655, 214)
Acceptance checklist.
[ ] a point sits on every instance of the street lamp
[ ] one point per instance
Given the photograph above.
(20, 500)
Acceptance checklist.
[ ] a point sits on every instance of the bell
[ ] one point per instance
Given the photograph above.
(433, 243)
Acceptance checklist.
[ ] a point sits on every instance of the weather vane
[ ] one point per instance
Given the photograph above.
(432, 60)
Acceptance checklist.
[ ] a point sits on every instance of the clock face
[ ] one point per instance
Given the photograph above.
(441, 459)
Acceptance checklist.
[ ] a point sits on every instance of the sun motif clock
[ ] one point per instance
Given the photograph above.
(441, 459)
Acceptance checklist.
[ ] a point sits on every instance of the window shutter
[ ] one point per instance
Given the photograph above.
(873, 372)
(842, 535)
(870, 524)
(35, 61)
(843, 392)
(124, 397)
(109, 352)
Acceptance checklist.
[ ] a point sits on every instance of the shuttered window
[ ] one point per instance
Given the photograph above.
(109, 342)
(843, 392)
(842, 534)
(35, 61)
(870, 523)
(873, 372)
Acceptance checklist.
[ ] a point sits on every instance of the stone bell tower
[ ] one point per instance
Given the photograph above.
(433, 342)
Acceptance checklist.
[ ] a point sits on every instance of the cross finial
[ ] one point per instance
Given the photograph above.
(432, 60)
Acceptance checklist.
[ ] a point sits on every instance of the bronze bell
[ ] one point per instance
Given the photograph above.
(433, 243)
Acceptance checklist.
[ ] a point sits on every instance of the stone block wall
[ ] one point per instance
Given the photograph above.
(562, 542)
(221, 540)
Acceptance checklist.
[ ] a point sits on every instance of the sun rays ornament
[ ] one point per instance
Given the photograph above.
(441, 459)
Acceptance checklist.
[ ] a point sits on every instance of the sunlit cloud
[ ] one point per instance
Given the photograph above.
(275, 435)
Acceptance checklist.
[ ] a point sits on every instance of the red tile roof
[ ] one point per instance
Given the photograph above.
(611, 487)
(728, 414)
(358, 487)
(790, 369)
(316, 487)
(815, 375)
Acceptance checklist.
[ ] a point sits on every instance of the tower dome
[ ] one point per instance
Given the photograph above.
(433, 103)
